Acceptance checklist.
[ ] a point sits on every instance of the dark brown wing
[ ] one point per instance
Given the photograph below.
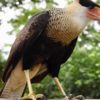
(69, 51)
(30, 32)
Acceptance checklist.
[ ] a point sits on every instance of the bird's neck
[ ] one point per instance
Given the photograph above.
(77, 15)
(65, 25)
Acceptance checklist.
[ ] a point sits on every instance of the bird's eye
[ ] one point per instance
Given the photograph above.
(91, 7)
(85, 3)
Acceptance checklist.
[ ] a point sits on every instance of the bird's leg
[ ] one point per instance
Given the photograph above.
(28, 81)
(31, 93)
(28, 75)
(60, 87)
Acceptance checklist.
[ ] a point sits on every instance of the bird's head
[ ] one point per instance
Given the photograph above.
(80, 12)
(92, 9)
(83, 11)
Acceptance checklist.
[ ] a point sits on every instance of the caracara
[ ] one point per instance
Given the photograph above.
(46, 42)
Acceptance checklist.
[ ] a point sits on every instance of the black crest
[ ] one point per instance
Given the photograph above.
(88, 3)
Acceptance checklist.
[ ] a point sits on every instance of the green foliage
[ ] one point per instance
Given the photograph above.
(17, 3)
(21, 19)
(83, 75)
(2, 63)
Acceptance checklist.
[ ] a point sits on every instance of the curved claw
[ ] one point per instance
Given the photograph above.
(79, 97)
(41, 97)
(66, 98)
(29, 97)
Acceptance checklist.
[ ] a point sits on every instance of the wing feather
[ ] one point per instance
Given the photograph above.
(32, 30)
(68, 53)
(69, 50)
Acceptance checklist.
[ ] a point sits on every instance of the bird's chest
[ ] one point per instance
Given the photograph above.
(63, 29)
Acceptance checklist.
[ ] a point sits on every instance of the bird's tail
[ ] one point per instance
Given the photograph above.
(15, 84)
(7, 91)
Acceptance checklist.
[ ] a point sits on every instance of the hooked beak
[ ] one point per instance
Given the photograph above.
(94, 13)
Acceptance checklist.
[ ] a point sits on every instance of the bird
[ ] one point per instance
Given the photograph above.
(45, 42)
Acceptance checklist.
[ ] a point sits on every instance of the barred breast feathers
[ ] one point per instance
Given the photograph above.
(63, 27)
